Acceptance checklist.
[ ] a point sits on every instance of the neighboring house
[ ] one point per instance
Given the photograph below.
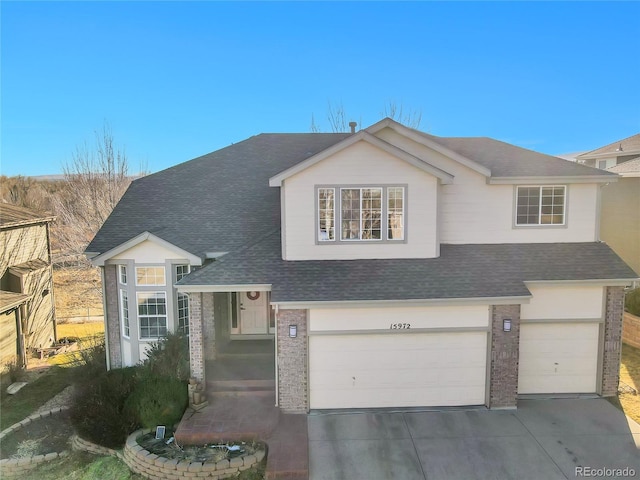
(27, 316)
(613, 154)
(392, 268)
(620, 213)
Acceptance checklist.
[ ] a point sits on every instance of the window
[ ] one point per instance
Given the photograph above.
(150, 276)
(124, 307)
(326, 214)
(182, 271)
(183, 313)
(602, 164)
(152, 314)
(541, 205)
(122, 274)
(366, 214)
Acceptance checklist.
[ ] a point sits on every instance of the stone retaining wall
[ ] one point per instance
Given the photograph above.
(11, 467)
(631, 330)
(152, 466)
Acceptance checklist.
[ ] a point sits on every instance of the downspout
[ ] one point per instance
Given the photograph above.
(276, 355)
(105, 319)
(22, 358)
(51, 291)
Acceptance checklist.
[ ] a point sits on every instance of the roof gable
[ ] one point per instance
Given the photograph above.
(626, 146)
(362, 136)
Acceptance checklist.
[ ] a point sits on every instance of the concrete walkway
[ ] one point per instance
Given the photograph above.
(543, 439)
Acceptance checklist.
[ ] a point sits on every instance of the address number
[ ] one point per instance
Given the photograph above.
(400, 326)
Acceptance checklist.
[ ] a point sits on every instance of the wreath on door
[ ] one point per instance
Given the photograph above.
(253, 295)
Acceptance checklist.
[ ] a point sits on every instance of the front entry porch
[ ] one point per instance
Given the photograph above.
(240, 389)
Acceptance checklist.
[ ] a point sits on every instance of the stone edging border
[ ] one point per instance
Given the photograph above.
(153, 467)
(15, 467)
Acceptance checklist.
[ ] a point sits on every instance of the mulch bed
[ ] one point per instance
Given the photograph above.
(45, 435)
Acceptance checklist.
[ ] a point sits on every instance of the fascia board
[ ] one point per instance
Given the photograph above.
(99, 261)
(552, 179)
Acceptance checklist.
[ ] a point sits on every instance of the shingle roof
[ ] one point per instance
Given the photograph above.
(630, 166)
(11, 216)
(222, 201)
(627, 145)
(505, 160)
(216, 202)
(461, 271)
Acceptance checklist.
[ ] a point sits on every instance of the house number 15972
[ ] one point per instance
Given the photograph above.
(400, 326)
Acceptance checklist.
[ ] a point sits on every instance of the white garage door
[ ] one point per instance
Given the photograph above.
(397, 370)
(558, 358)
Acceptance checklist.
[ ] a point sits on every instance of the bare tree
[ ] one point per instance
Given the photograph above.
(95, 178)
(338, 119)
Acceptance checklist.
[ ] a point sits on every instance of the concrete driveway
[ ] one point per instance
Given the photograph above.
(542, 439)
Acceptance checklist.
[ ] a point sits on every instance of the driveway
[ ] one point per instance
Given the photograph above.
(542, 439)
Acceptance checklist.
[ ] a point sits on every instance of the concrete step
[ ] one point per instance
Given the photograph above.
(238, 355)
(221, 385)
(242, 393)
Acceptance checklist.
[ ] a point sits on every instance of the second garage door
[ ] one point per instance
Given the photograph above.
(558, 358)
(397, 370)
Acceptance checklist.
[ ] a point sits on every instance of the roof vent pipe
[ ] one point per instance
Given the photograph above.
(353, 126)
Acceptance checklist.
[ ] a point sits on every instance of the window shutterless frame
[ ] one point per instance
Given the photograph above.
(124, 313)
(122, 274)
(151, 276)
(393, 214)
(541, 206)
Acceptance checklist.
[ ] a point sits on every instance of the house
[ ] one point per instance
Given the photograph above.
(391, 268)
(613, 154)
(620, 213)
(27, 310)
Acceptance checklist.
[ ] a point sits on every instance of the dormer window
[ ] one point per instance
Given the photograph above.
(360, 214)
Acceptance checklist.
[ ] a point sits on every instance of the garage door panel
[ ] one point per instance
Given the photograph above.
(395, 370)
(558, 358)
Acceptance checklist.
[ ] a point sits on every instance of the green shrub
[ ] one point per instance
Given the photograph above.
(169, 357)
(90, 362)
(14, 370)
(98, 412)
(632, 302)
(158, 401)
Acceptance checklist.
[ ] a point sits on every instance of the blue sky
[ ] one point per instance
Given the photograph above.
(178, 80)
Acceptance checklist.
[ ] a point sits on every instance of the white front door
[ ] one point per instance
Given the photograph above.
(253, 313)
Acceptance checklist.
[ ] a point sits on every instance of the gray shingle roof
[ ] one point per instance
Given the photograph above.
(630, 166)
(461, 271)
(216, 202)
(222, 201)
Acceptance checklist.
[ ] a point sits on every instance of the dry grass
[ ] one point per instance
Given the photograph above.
(630, 375)
(78, 292)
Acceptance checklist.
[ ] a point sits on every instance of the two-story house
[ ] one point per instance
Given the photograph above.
(613, 154)
(27, 315)
(391, 268)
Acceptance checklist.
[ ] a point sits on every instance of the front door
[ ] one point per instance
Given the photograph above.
(253, 313)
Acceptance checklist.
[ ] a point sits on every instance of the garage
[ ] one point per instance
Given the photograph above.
(397, 369)
(558, 357)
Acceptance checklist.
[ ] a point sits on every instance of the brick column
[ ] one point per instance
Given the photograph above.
(208, 327)
(505, 349)
(112, 315)
(196, 350)
(292, 362)
(612, 340)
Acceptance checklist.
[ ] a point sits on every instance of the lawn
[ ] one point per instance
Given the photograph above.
(630, 375)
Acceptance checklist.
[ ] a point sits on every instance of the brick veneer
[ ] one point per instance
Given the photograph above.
(292, 362)
(208, 327)
(113, 315)
(505, 347)
(612, 340)
(196, 347)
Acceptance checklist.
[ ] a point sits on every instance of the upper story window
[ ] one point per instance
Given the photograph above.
(182, 271)
(541, 205)
(147, 276)
(365, 213)
(122, 274)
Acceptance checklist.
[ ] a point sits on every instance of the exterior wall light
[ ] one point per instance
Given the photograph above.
(293, 331)
(506, 325)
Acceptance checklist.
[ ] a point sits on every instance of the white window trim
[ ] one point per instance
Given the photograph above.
(122, 272)
(540, 225)
(140, 317)
(184, 275)
(181, 294)
(384, 222)
(164, 277)
(125, 314)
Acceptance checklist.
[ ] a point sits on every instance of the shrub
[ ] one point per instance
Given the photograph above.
(90, 362)
(158, 401)
(98, 412)
(14, 370)
(632, 301)
(169, 357)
